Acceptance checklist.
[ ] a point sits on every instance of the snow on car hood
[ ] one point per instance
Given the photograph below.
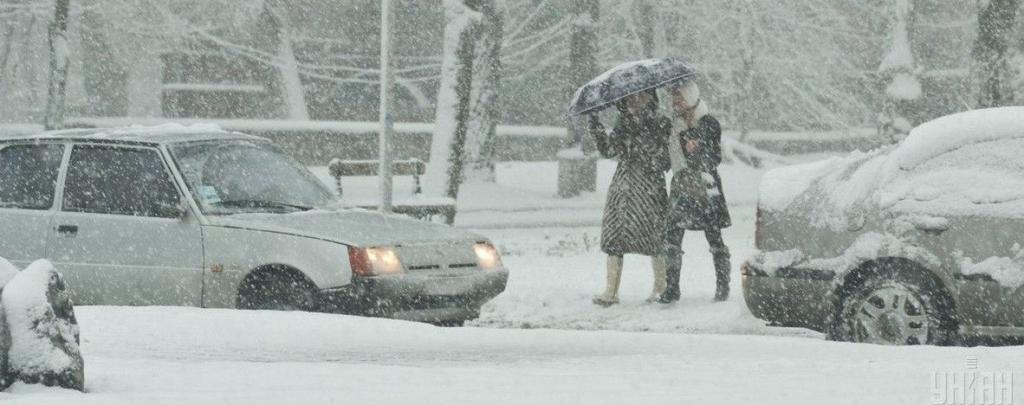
(349, 226)
(843, 180)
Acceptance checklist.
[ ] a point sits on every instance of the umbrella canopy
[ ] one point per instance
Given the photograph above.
(626, 79)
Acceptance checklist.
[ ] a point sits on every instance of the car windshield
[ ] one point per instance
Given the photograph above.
(231, 177)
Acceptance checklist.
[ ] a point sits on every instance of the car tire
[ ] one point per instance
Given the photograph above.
(893, 308)
(277, 292)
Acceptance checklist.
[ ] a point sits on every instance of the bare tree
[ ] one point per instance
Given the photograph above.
(484, 114)
(288, 65)
(996, 20)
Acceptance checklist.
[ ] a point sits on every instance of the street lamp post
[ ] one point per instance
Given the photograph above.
(387, 84)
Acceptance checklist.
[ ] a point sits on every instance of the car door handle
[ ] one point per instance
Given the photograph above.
(67, 230)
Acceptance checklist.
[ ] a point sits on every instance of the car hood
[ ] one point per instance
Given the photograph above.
(350, 226)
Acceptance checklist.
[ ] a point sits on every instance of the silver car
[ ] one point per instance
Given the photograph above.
(196, 216)
(918, 243)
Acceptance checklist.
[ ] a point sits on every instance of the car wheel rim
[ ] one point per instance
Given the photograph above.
(891, 315)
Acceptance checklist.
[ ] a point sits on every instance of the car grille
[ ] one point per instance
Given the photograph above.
(438, 256)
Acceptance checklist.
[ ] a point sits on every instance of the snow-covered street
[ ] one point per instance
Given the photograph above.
(197, 356)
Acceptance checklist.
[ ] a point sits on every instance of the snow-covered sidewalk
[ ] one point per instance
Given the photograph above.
(556, 271)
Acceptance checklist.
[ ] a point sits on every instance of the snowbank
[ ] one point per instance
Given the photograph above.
(44, 335)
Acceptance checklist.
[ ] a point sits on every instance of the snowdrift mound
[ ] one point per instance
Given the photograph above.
(39, 338)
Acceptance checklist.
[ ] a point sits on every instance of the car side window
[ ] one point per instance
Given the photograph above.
(119, 181)
(28, 175)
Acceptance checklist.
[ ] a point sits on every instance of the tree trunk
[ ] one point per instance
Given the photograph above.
(444, 172)
(582, 53)
(484, 113)
(898, 73)
(577, 166)
(56, 94)
(294, 93)
(995, 24)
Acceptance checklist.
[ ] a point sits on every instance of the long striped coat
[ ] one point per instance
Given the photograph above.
(634, 213)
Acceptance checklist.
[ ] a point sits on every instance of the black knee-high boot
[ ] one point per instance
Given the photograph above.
(674, 264)
(722, 269)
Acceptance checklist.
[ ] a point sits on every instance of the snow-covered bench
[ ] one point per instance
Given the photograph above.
(416, 206)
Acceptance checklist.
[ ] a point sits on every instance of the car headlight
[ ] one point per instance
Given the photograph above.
(375, 261)
(487, 256)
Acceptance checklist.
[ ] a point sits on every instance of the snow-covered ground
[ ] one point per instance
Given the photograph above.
(541, 341)
(197, 356)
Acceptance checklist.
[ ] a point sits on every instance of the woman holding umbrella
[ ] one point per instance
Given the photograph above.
(634, 217)
(634, 213)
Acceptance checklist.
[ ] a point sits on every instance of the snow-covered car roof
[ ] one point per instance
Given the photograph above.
(984, 177)
(154, 135)
(951, 132)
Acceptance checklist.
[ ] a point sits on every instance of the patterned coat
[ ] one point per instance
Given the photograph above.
(698, 202)
(634, 213)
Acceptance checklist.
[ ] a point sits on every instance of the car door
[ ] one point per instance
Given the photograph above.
(28, 184)
(121, 236)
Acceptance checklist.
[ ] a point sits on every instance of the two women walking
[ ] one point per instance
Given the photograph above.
(641, 217)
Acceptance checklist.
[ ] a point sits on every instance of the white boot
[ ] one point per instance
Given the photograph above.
(660, 283)
(611, 292)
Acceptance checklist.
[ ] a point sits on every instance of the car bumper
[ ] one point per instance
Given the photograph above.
(424, 297)
(791, 297)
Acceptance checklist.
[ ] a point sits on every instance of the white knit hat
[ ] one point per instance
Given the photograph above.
(691, 93)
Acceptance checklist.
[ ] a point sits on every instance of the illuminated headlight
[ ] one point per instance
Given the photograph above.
(487, 256)
(374, 261)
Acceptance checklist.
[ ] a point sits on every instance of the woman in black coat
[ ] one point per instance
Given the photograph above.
(634, 216)
(697, 200)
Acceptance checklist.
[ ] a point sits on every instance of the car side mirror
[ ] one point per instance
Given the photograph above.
(171, 210)
(182, 208)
